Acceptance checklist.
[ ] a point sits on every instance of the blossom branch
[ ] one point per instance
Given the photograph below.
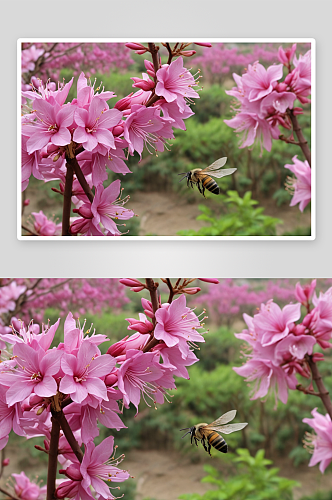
(29, 230)
(69, 436)
(298, 131)
(323, 392)
(171, 290)
(152, 287)
(81, 179)
(67, 200)
(9, 495)
(53, 458)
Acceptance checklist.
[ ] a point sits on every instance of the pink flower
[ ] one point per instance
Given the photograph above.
(273, 324)
(140, 126)
(45, 227)
(259, 82)
(35, 373)
(98, 216)
(176, 321)
(305, 293)
(84, 373)
(300, 187)
(26, 489)
(253, 127)
(175, 83)
(94, 124)
(137, 375)
(286, 56)
(135, 341)
(267, 376)
(322, 442)
(53, 126)
(106, 206)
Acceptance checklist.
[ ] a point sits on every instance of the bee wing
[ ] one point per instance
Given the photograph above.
(219, 173)
(227, 429)
(217, 164)
(224, 419)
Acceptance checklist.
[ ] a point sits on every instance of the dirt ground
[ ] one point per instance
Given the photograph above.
(164, 475)
(164, 214)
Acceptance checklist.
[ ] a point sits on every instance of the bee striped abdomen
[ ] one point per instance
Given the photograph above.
(218, 442)
(210, 184)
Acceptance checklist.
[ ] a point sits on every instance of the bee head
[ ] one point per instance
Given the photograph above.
(191, 431)
(185, 175)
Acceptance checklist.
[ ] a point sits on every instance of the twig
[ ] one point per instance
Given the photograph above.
(70, 436)
(171, 290)
(152, 287)
(322, 391)
(29, 230)
(67, 200)
(298, 131)
(9, 494)
(81, 178)
(170, 53)
(53, 459)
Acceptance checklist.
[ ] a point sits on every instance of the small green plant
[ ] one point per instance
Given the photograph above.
(253, 481)
(242, 219)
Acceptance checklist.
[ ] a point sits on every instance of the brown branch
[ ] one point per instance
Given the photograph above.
(29, 230)
(67, 200)
(323, 392)
(70, 436)
(81, 178)
(298, 131)
(152, 287)
(170, 53)
(53, 458)
(10, 495)
(171, 290)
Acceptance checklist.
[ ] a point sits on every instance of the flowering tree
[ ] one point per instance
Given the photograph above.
(62, 393)
(281, 345)
(77, 142)
(267, 102)
(30, 297)
(45, 60)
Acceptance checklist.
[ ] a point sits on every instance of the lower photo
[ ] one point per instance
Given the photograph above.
(165, 389)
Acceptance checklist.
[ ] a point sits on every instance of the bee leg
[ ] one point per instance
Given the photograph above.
(203, 191)
(209, 449)
(196, 442)
(204, 444)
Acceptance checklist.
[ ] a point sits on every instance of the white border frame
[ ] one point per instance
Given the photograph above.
(312, 41)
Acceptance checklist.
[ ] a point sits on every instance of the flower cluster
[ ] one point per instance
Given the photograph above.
(265, 99)
(74, 379)
(280, 343)
(282, 346)
(76, 142)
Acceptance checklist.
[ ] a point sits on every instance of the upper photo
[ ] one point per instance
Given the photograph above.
(166, 139)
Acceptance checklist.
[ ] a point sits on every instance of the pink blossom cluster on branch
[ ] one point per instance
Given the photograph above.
(77, 142)
(265, 98)
(266, 102)
(282, 345)
(63, 393)
(45, 60)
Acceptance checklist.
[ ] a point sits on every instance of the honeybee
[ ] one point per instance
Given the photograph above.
(203, 179)
(209, 435)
